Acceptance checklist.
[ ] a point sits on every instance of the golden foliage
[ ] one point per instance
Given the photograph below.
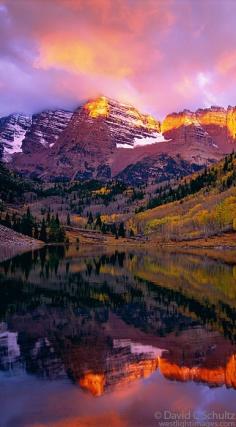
(195, 217)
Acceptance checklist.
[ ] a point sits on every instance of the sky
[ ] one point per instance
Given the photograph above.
(159, 55)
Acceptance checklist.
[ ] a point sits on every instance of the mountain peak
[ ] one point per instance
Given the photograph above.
(106, 107)
(103, 136)
(98, 107)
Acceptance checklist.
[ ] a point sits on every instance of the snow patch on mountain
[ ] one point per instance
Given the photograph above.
(9, 346)
(46, 128)
(156, 138)
(14, 148)
(124, 146)
(12, 132)
(137, 348)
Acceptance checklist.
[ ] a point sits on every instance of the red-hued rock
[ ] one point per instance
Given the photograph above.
(85, 148)
(214, 125)
(45, 130)
(103, 138)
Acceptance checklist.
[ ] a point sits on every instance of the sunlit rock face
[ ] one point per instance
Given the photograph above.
(176, 120)
(98, 383)
(117, 112)
(110, 365)
(185, 128)
(220, 125)
(98, 107)
(213, 376)
(103, 137)
(231, 122)
(125, 122)
(81, 145)
(47, 346)
(215, 125)
(212, 116)
(94, 383)
(214, 121)
(230, 372)
(96, 370)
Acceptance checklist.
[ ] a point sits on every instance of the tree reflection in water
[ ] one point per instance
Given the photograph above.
(106, 321)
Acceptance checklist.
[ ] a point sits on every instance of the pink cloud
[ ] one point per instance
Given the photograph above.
(148, 53)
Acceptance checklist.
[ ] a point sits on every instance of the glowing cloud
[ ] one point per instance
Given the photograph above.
(162, 56)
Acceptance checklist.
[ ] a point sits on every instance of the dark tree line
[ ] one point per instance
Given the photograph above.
(49, 230)
(118, 230)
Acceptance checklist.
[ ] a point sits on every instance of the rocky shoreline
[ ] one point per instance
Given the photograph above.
(13, 243)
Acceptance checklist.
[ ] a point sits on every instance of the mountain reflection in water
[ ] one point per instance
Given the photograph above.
(104, 324)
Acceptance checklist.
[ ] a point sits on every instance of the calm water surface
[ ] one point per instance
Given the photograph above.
(117, 339)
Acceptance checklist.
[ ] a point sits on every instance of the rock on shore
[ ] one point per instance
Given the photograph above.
(13, 243)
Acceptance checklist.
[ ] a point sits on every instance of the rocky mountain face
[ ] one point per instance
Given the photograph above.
(45, 130)
(128, 127)
(12, 132)
(104, 138)
(97, 129)
(85, 148)
(29, 134)
(159, 167)
(213, 125)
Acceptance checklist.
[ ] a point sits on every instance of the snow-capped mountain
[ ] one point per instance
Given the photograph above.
(81, 145)
(28, 134)
(104, 138)
(128, 127)
(45, 130)
(12, 132)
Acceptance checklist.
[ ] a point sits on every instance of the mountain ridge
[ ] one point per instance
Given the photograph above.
(102, 138)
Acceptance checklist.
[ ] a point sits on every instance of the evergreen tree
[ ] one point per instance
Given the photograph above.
(43, 232)
(56, 233)
(36, 232)
(103, 228)
(114, 230)
(27, 223)
(68, 219)
(7, 221)
(90, 218)
(121, 230)
(28, 213)
(57, 220)
(48, 219)
(13, 219)
(14, 222)
(53, 230)
(18, 225)
(98, 222)
(61, 235)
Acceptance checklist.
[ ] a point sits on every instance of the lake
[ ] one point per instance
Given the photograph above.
(120, 339)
